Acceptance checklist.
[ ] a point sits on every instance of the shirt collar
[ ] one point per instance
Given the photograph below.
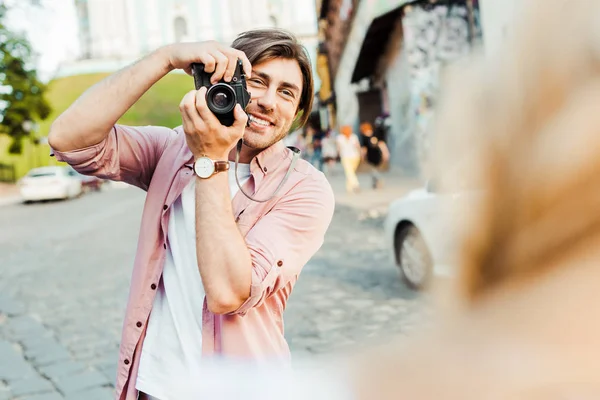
(266, 161)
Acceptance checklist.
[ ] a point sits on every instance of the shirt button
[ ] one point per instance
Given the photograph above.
(265, 169)
(153, 286)
(165, 207)
(126, 362)
(279, 263)
(139, 324)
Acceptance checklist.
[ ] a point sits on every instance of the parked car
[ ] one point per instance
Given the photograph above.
(422, 231)
(49, 183)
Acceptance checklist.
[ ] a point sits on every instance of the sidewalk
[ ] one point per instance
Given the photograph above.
(9, 194)
(371, 200)
(368, 200)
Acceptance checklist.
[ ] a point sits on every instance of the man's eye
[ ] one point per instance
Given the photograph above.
(256, 81)
(287, 93)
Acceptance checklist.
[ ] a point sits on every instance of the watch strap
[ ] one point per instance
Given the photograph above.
(221, 166)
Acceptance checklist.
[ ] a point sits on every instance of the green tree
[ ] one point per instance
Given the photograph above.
(21, 93)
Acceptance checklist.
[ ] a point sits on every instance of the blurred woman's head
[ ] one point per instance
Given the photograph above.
(524, 126)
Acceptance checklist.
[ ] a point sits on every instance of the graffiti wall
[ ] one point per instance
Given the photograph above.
(434, 36)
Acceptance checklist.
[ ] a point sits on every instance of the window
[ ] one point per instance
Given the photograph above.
(180, 29)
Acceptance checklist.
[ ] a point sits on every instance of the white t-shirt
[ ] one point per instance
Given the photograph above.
(173, 345)
(349, 146)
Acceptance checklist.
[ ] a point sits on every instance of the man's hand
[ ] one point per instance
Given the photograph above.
(204, 133)
(216, 57)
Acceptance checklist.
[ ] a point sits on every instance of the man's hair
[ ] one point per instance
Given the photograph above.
(266, 44)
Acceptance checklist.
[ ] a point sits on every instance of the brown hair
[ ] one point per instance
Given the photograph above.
(530, 139)
(266, 44)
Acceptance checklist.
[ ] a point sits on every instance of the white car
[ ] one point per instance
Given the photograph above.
(421, 230)
(49, 183)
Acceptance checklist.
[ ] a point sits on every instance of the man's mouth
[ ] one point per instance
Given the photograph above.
(259, 121)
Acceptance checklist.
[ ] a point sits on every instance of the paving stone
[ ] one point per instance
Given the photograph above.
(13, 365)
(10, 307)
(48, 355)
(61, 369)
(43, 396)
(25, 324)
(101, 393)
(81, 381)
(110, 372)
(31, 385)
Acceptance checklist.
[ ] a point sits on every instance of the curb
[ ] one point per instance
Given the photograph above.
(9, 200)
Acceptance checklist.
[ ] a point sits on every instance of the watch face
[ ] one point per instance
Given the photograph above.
(204, 167)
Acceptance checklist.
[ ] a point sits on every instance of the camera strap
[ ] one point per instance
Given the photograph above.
(295, 157)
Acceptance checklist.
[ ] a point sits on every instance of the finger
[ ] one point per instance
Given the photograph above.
(189, 115)
(231, 66)
(188, 101)
(247, 66)
(240, 119)
(203, 111)
(222, 63)
(209, 62)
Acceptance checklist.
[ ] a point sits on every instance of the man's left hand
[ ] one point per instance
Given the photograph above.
(205, 135)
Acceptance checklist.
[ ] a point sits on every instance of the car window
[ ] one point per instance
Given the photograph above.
(40, 174)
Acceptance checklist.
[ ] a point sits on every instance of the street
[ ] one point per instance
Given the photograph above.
(65, 274)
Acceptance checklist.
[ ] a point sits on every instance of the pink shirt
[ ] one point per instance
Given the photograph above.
(281, 234)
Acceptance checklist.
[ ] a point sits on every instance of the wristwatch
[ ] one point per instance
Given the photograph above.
(204, 167)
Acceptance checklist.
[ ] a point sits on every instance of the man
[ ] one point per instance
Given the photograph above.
(374, 151)
(214, 268)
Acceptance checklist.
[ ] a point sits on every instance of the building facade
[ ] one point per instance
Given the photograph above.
(113, 33)
(391, 65)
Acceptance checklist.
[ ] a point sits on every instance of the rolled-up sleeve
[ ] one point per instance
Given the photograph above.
(285, 239)
(127, 154)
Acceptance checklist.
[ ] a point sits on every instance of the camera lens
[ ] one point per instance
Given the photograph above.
(220, 98)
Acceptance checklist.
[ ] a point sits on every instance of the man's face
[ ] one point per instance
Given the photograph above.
(275, 88)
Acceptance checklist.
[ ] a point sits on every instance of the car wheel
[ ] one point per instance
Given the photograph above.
(413, 257)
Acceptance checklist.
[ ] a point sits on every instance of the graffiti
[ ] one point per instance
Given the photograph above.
(434, 36)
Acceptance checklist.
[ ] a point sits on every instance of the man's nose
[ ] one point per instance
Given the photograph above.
(267, 100)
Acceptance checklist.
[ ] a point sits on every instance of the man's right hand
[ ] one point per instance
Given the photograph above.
(216, 57)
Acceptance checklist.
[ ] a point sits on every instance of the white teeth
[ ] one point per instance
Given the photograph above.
(259, 121)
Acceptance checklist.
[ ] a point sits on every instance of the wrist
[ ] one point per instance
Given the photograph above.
(215, 156)
(164, 54)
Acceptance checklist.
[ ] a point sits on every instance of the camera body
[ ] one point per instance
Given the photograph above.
(222, 97)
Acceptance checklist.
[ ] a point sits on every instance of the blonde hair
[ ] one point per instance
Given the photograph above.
(525, 123)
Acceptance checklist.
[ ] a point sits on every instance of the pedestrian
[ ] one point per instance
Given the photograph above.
(349, 150)
(317, 146)
(330, 153)
(374, 152)
(228, 224)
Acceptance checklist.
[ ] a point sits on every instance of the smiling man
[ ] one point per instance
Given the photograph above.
(222, 243)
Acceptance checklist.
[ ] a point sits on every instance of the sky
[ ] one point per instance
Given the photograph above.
(51, 30)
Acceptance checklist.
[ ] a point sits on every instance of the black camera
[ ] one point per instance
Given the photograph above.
(222, 97)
